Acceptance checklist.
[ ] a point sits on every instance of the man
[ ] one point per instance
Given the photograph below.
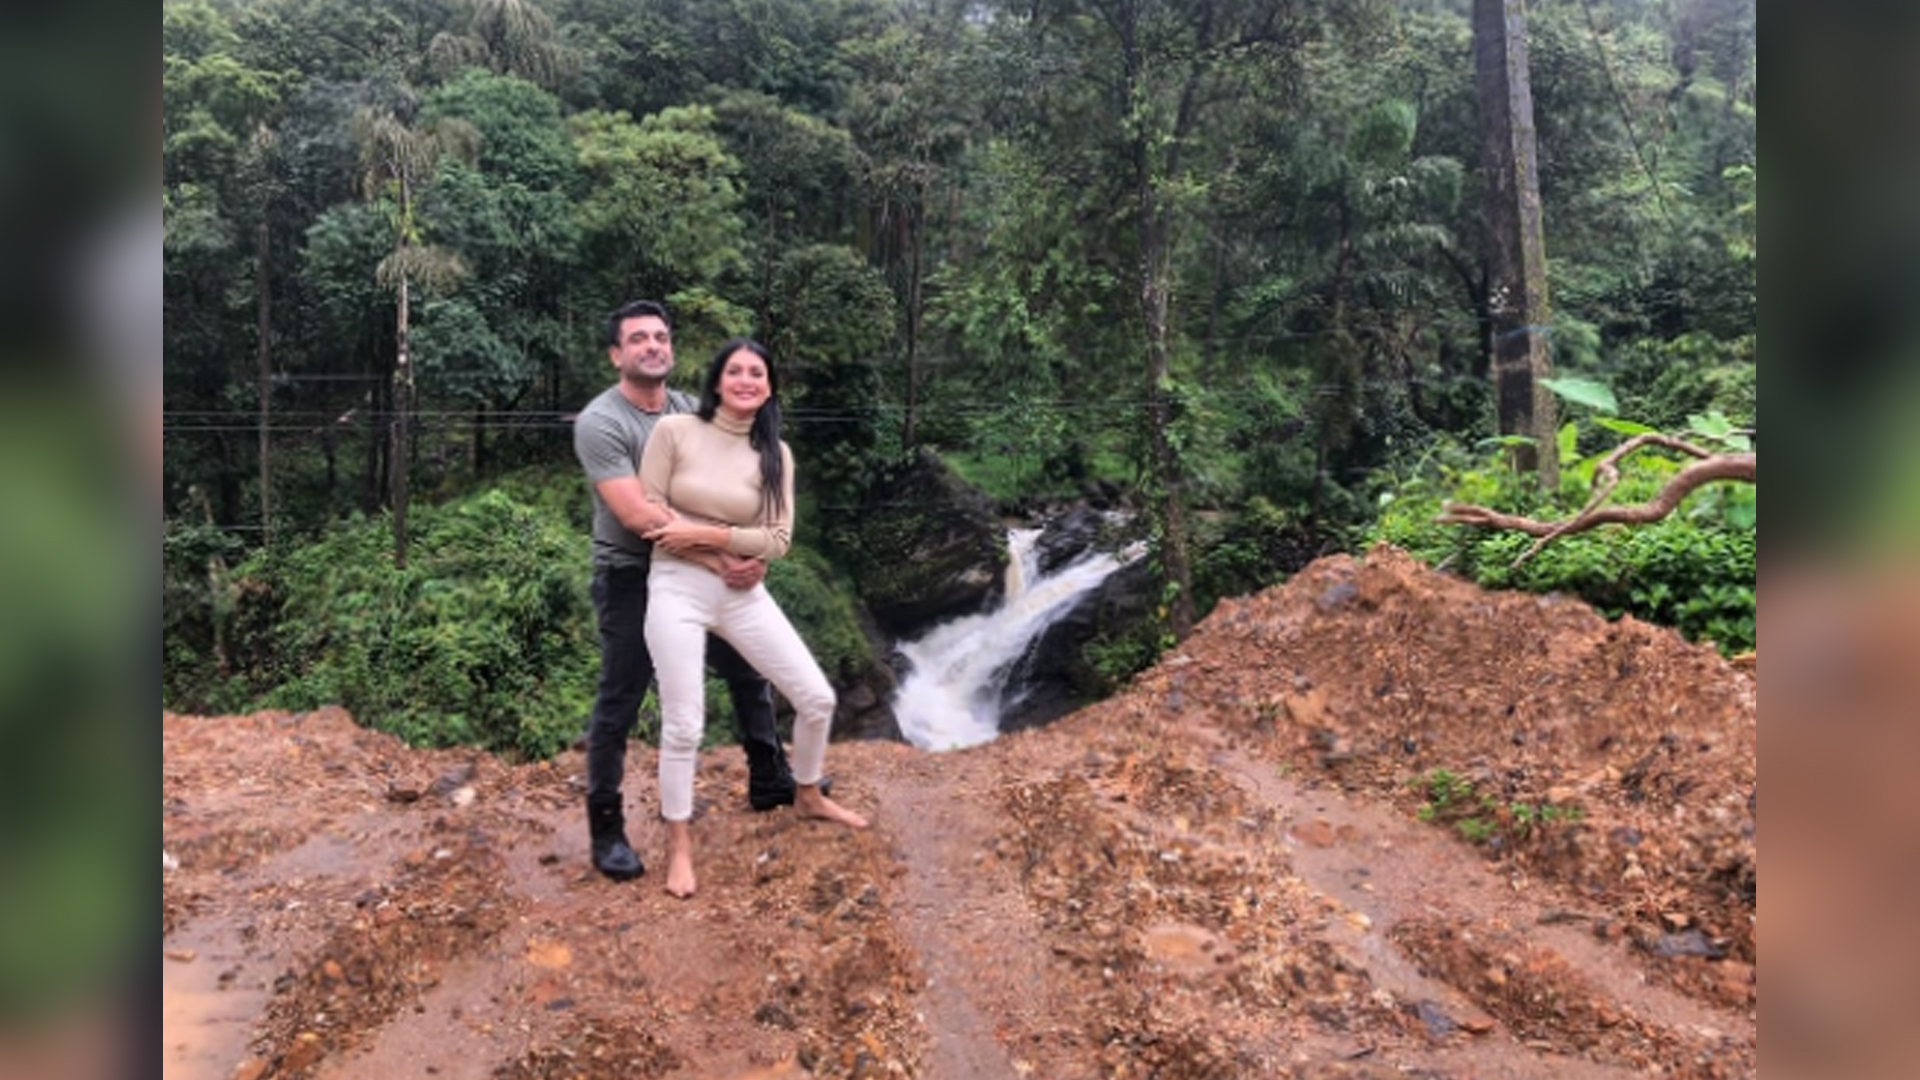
(608, 438)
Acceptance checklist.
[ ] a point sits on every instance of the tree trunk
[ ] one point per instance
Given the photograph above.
(265, 296)
(1155, 283)
(397, 443)
(378, 397)
(1217, 298)
(479, 441)
(1342, 263)
(916, 241)
(329, 449)
(1517, 286)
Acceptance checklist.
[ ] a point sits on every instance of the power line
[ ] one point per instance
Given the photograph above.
(1626, 116)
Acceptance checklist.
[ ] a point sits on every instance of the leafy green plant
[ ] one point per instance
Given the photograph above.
(1454, 801)
(1695, 570)
(487, 638)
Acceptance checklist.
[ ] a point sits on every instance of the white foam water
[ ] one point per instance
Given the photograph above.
(956, 688)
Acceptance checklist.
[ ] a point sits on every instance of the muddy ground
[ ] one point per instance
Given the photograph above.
(1374, 823)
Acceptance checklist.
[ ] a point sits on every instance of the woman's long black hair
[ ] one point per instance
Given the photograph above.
(764, 435)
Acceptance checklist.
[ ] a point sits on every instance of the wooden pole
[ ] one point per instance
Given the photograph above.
(1516, 249)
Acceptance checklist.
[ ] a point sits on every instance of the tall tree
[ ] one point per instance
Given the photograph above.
(1160, 73)
(1516, 248)
(911, 114)
(512, 219)
(506, 37)
(797, 181)
(661, 213)
(396, 162)
(219, 179)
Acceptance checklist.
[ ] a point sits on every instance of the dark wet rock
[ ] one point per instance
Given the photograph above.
(1337, 595)
(1435, 1019)
(452, 781)
(1685, 943)
(1055, 676)
(1068, 537)
(775, 1015)
(926, 548)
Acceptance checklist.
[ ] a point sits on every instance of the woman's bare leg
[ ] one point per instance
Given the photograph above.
(680, 880)
(810, 803)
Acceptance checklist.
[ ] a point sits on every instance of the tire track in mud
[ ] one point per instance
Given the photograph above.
(1462, 949)
(254, 908)
(977, 985)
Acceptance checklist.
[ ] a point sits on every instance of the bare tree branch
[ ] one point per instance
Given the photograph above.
(1708, 468)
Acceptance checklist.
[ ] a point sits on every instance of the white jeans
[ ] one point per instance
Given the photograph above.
(684, 602)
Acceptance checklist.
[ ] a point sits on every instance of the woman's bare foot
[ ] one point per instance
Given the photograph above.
(680, 880)
(810, 803)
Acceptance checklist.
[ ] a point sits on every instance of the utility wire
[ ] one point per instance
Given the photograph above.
(1626, 117)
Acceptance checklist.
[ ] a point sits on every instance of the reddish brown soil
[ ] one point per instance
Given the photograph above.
(1223, 872)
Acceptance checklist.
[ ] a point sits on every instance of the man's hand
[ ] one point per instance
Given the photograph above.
(630, 505)
(684, 538)
(741, 572)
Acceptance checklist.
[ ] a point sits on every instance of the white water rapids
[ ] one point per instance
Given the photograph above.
(956, 690)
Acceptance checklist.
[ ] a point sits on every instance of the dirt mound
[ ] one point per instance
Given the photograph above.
(1374, 823)
(1613, 758)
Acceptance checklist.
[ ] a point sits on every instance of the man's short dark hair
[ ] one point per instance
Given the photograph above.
(633, 309)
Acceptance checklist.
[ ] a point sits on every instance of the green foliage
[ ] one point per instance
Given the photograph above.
(1456, 802)
(1115, 656)
(820, 604)
(486, 638)
(1696, 570)
(523, 140)
(659, 211)
(794, 166)
(832, 318)
(197, 611)
(1246, 551)
(1668, 381)
(1597, 396)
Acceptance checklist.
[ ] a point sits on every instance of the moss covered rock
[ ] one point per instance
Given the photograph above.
(926, 548)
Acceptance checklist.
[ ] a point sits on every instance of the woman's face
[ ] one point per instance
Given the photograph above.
(744, 386)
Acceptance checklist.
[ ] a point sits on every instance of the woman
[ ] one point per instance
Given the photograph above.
(729, 480)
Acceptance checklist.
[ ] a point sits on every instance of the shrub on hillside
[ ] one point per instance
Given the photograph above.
(487, 638)
(1695, 571)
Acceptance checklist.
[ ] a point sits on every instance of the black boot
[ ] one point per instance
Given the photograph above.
(769, 778)
(607, 824)
(770, 782)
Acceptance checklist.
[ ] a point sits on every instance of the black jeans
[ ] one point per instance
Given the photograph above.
(626, 670)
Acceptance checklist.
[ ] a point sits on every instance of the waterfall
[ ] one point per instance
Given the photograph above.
(956, 688)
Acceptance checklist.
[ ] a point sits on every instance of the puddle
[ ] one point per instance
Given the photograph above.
(208, 1004)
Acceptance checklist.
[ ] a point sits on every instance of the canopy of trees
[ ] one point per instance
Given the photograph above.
(1206, 251)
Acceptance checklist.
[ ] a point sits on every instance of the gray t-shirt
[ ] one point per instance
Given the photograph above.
(608, 438)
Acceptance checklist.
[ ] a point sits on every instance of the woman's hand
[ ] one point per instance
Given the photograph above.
(741, 572)
(683, 538)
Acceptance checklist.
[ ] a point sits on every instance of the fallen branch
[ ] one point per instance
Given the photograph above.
(1709, 468)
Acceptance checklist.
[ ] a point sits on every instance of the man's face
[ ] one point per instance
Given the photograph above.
(644, 353)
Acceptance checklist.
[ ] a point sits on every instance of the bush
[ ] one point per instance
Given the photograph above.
(197, 600)
(1661, 383)
(821, 607)
(486, 638)
(1246, 551)
(1695, 571)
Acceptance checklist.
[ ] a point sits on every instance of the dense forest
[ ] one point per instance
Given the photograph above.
(1223, 263)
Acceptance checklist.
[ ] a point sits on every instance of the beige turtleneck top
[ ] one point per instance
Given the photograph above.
(708, 472)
